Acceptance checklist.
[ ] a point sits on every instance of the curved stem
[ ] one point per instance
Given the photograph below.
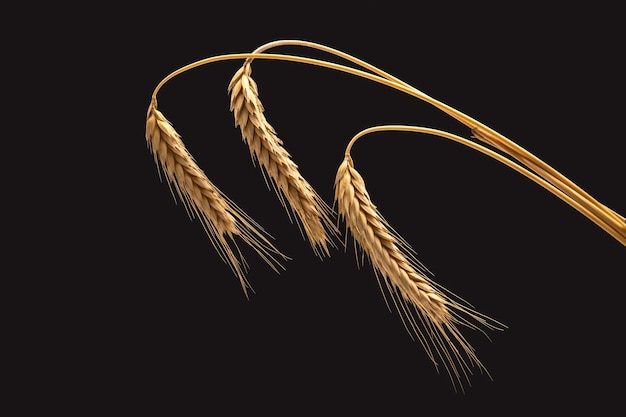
(555, 177)
(461, 117)
(481, 131)
(278, 57)
(403, 87)
(528, 174)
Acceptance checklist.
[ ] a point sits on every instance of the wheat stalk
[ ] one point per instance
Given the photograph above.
(311, 212)
(428, 310)
(220, 217)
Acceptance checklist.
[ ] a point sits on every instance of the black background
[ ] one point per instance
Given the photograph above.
(136, 312)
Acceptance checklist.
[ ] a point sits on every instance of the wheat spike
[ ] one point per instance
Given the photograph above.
(428, 310)
(220, 217)
(311, 212)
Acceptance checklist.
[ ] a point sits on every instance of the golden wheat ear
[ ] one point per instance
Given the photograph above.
(221, 218)
(429, 312)
(312, 214)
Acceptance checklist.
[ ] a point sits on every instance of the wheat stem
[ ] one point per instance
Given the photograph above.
(592, 215)
(615, 224)
(495, 139)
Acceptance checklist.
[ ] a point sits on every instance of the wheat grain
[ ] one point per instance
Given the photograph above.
(311, 213)
(220, 217)
(428, 310)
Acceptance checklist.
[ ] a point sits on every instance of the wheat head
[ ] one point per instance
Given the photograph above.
(428, 310)
(311, 212)
(220, 217)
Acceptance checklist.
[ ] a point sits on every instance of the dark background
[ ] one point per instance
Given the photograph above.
(136, 312)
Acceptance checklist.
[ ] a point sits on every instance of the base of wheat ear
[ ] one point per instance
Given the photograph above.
(430, 312)
(309, 210)
(222, 219)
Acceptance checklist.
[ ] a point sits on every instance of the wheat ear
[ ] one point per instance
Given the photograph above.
(295, 193)
(429, 312)
(220, 217)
